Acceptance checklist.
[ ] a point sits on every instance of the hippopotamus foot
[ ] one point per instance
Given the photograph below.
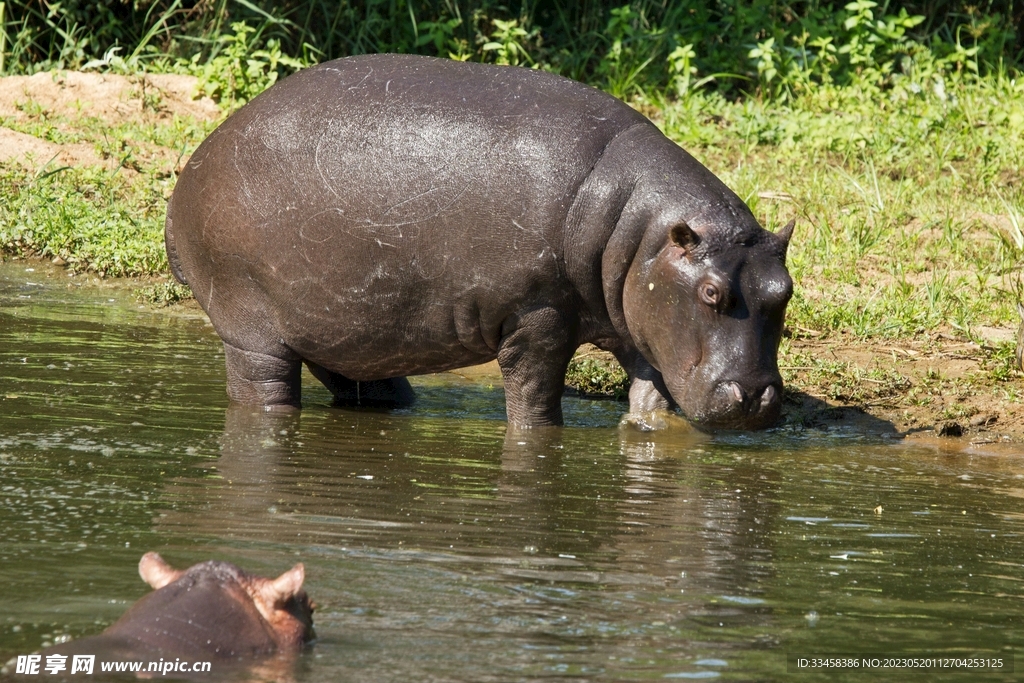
(533, 357)
(261, 379)
(384, 393)
(657, 420)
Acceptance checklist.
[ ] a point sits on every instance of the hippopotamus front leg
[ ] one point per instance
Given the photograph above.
(647, 390)
(533, 355)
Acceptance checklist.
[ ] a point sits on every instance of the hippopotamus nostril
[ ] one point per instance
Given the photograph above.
(770, 405)
(734, 391)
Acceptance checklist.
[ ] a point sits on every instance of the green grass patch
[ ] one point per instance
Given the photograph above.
(105, 218)
(844, 381)
(89, 218)
(597, 377)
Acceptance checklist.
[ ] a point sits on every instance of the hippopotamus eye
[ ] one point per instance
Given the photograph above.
(710, 294)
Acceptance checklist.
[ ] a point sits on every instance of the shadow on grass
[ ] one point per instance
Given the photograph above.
(800, 409)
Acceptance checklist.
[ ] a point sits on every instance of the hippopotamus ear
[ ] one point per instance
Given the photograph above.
(289, 584)
(683, 236)
(156, 572)
(785, 233)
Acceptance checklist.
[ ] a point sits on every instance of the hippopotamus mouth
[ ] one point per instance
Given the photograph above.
(747, 398)
(731, 406)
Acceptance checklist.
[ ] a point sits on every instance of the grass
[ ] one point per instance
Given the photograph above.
(87, 218)
(105, 218)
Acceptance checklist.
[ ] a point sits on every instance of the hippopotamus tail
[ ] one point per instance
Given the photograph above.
(172, 252)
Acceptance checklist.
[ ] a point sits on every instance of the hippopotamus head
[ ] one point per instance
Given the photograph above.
(210, 611)
(706, 309)
(265, 615)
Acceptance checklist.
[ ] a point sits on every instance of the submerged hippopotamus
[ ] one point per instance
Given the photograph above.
(212, 612)
(386, 215)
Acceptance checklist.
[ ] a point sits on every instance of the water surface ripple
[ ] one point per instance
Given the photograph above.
(440, 548)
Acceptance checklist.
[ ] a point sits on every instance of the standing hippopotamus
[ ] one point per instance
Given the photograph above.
(386, 215)
(211, 612)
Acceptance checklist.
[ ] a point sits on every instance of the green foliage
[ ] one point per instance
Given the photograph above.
(681, 69)
(92, 218)
(597, 377)
(508, 41)
(165, 293)
(632, 45)
(239, 70)
(87, 217)
(777, 50)
(442, 34)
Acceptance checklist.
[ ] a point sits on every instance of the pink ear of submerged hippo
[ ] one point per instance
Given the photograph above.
(283, 604)
(156, 572)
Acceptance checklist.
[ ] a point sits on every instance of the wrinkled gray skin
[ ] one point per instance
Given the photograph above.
(390, 215)
(211, 611)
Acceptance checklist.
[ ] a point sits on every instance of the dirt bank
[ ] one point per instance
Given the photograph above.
(70, 99)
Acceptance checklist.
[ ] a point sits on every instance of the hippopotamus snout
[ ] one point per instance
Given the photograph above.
(735, 406)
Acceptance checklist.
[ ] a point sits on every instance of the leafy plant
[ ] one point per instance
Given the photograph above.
(597, 377)
(443, 35)
(507, 44)
(633, 45)
(165, 293)
(241, 70)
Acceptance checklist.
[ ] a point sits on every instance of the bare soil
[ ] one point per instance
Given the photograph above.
(939, 387)
(936, 389)
(109, 97)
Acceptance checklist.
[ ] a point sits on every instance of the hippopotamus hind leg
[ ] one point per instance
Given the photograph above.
(382, 393)
(261, 379)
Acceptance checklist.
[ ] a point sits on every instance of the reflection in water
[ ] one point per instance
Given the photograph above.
(441, 547)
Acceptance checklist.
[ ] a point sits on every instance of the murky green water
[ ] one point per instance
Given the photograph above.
(438, 549)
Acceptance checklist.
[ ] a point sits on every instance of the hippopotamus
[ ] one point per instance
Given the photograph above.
(212, 612)
(381, 216)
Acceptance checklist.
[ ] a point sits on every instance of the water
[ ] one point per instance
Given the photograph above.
(438, 548)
